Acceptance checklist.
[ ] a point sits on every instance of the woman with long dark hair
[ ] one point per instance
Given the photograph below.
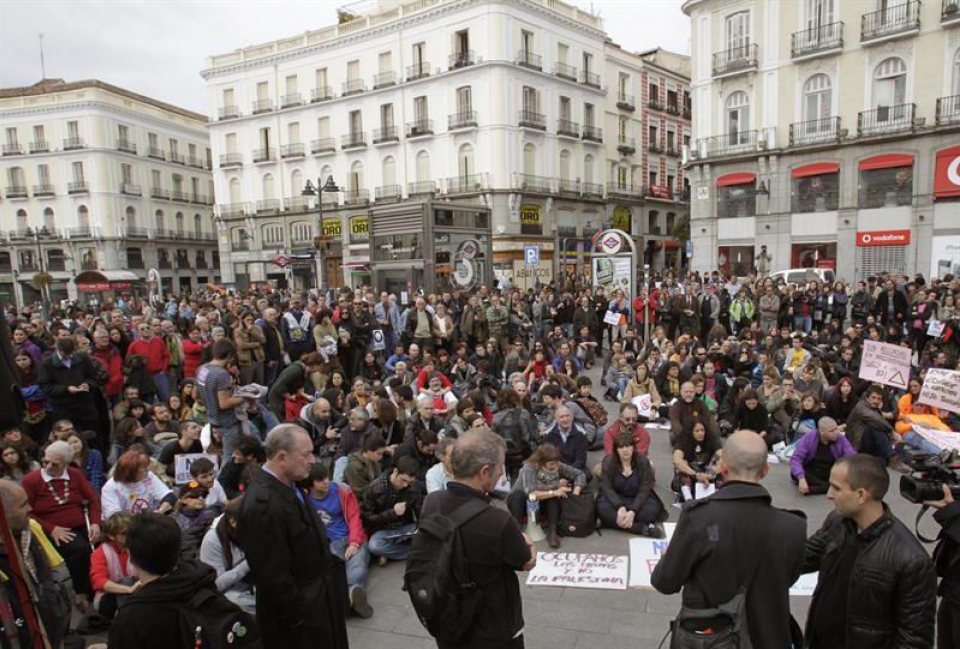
(842, 400)
(222, 550)
(627, 499)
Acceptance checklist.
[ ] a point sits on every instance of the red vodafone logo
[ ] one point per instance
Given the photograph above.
(946, 177)
(883, 238)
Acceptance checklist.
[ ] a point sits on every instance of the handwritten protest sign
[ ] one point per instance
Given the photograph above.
(935, 328)
(182, 462)
(603, 571)
(941, 388)
(611, 318)
(941, 438)
(885, 363)
(645, 554)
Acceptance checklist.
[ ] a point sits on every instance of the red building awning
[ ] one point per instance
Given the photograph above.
(887, 161)
(816, 169)
(745, 178)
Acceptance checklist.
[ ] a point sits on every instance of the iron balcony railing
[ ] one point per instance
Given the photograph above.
(462, 59)
(736, 142)
(386, 134)
(384, 79)
(137, 233)
(195, 161)
(291, 99)
(464, 184)
(353, 140)
(44, 189)
(532, 119)
(178, 158)
(948, 109)
(268, 206)
(565, 71)
(229, 112)
(628, 190)
(814, 131)
(159, 192)
(387, 193)
(591, 190)
(293, 150)
(130, 189)
(422, 187)
(528, 59)
(72, 143)
(653, 147)
(655, 103)
(180, 196)
(40, 146)
(736, 59)
(78, 187)
(297, 204)
(895, 19)
(353, 87)
(569, 187)
(156, 152)
(262, 106)
(324, 93)
(533, 183)
(17, 191)
(418, 70)
(568, 127)
(230, 160)
(626, 144)
(886, 119)
(126, 146)
(233, 210)
(264, 155)
(462, 119)
(82, 232)
(356, 196)
(419, 127)
(592, 133)
(821, 38)
(626, 101)
(591, 79)
(12, 148)
(323, 145)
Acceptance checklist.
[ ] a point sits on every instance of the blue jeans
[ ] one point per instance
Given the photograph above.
(358, 563)
(803, 321)
(915, 440)
(229, 437)
(381, 546)
(161, 381)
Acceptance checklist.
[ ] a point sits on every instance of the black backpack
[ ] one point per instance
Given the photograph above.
(437, 578)
(578, 516)
(211, 621)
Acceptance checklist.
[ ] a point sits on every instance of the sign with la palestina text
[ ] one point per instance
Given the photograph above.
(598, 571)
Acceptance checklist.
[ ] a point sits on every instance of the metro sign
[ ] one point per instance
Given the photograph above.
(281, 260)
(611, 244)
(883, 238)
(946, 178)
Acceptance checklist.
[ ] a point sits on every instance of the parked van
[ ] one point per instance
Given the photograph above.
(804, 275)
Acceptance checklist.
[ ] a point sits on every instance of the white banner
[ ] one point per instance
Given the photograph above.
(935, 328)
(182, 462)
(611, 318)
(941, 388)
(644, 404)
(886, 364)
(603, 571)
(941, 438)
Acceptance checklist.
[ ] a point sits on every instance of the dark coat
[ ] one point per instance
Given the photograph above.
(947, 554)
(376, 507)
(893, 586)
(54, 378)
(300, 600)
(900, 307)
(714, 547)
(574, 452)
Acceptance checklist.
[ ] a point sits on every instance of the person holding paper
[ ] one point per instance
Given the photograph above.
(627, 499)
(389, 510)
(642, 383)
(695, 459)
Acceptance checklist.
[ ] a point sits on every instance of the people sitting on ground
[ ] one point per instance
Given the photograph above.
(14, 464)
(441, 473)
(628, 422)
(568, 438)
(351, 438)
(247, 455)
(910, 411)
(337, 507)
(134, 488)
(815, 454)
(687, 410)
(643, 384)
(112, 577)
(204, 471)
(695, 459)
(188, 443)
(89, 460)
(222, 550)
(807, 417)
(126, 433)
(750, 415)
(364, 466)
(390, 508)
(193, 517)
(870, 431)
(517, 427)
(545, 478)
(627, 500)
(162, 427)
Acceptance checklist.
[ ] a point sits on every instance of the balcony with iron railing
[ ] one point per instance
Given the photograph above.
(73, 143)
(815, 131)
(464, 184)
(672, 109)
(886, 120)
(687, 113)
(626, 145)
(387, 193)
(178, 158)
(297, 204)
(292, 150)
(893, 22)
(323, 93)
(627, 191)
(422, 188)
(130, 189)
(591, 79)
(386, 134)
(264, 155)
(816, 41)
(950, 12)
(291, 99)
(160, 192)
(268, 206)
(591, 190)
(672, 150)
(82, 232)
(626, 101)
(197, 162)
(532, 119)
(568, 128)
(568, 187)
(384, 80)
(420, 127)
(165, 263)
(654, 147)
(462, 119)
(565, 71)
(39, 146)
(356, 196)
(228, 112)
(156, 153)
(179, 196)
(262, 106)
(199, 199)
(353, 87)
(730, 144)
(353, 140)
(78, 187)
(532, 184)
(736, 60)
(230, 160)
(655, 103)
(233, 210)
(17, 191)
(528, 59)
(323, 145)
(462, 59)
(12, 148)
(418, 71)
(592, 134)
(948, 110)
(126, 146)
(44, 189)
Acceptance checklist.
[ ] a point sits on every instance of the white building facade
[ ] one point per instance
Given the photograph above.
(498, 103)
(827, 130)
(100, 185)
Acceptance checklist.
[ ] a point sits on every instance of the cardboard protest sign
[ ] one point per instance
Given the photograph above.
(644, 404)
(611, 318)
(941, 388)
(182, 462)
(935, 328)
(598, 571)
(886, 364)
(941, 438)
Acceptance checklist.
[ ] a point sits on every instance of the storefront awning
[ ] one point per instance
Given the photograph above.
(887, 161)
(816, 169)
(745, 178)
(92, 281)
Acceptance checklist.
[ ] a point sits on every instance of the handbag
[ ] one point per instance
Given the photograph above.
(723, 626)
(578, 516)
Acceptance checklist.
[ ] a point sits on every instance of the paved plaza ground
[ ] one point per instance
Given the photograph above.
(573, 618)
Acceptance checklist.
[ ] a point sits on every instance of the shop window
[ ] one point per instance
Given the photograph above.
(734, 201)
(6, 263)
(816, 193)
(886, 187)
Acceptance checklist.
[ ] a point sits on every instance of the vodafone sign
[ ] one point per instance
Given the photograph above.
(883, 238)
(946, 178)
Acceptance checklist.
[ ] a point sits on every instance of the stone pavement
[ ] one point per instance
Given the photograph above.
(573, 618)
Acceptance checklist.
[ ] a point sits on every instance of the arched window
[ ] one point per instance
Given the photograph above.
(158, 221)
(131, 217)
(236, 196)
(529, 159)
(197, 225)
(83, 217)
(269, 191)
(890, 83)
(588, 168)
(465, 163)
(389, 171)
(817, 98)
(22, 221)
(564, 165)
(956, 76)
(272, 235)
(325, 173)
(178, 219)
(355, 179)
(423, 167)
(738, 118)
(48, 218)
(296, 183)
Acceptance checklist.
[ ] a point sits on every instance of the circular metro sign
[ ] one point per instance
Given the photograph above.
(281, 260)
(611, 243)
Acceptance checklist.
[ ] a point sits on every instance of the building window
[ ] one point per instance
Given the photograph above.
(890, 83)
(48, 220)
(818, 13)
(134, 258)
(272, 235)
(886, 187)
(83, 216)
(588, 168)
(623, 177)
(820, 193)
(22, 220)
(465, 165)
(738, 119)
(423, 167)
(159, 221)
(529, 159)
(734, 201)
(817, 100)
(464, 100)
(531, 100)
(738, 31)
(956, 73)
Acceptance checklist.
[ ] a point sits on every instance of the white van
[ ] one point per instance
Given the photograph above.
(804, 275)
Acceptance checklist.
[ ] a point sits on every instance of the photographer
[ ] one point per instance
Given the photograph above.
(947, 559)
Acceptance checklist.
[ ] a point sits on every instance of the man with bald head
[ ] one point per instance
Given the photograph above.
(722, 540)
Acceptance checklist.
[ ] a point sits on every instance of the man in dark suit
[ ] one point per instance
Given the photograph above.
(71, 382)
(301, 594)
(718, 539)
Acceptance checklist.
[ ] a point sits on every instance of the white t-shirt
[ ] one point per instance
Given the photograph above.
(134, 497)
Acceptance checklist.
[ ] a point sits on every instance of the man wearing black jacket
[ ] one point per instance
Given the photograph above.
(891, 305)
(947, 559)
(71, 381)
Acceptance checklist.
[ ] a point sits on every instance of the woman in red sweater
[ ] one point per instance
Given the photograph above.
(62, 499)
(192, 352)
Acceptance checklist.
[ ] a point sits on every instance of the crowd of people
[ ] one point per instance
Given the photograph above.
(137, 409)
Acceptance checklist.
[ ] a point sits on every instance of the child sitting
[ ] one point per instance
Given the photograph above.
(193, 517)
(111, 574)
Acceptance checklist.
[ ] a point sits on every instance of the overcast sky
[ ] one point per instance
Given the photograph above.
(157, 47)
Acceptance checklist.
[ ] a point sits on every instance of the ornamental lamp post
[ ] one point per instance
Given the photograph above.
(310, 190)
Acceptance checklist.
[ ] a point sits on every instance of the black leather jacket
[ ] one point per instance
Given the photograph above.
(947, 554)
(892, 597)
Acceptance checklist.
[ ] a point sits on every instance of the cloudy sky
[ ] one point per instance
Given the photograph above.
(157, 47)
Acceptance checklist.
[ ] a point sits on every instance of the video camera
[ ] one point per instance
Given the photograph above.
(929, 474)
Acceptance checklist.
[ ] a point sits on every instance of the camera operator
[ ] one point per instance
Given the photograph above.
(947, 559)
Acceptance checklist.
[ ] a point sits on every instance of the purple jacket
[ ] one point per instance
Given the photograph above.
(806, 449)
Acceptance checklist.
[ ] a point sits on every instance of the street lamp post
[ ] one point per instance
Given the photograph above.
(318, 190)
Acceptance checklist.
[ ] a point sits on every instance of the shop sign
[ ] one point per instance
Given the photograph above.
(530, 220)
(331, 228)
(359, 227)
(622, 218)
(93, 287)
(525, 276)
(883, 238)
(946, 178)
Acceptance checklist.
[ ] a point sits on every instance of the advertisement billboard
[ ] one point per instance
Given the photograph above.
(945, 256)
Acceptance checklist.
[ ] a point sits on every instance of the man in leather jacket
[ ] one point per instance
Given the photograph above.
(877, 585)
(947, 560)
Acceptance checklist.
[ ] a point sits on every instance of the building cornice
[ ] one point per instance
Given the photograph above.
(93, 105)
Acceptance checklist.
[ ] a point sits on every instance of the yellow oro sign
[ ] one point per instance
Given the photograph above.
(530, 215)
(331, 228)
(360, 227)
(622, 218)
